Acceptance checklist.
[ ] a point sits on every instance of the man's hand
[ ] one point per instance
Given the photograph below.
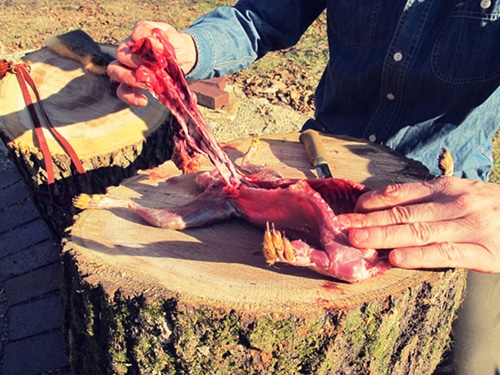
(447, 222)
(122, 69)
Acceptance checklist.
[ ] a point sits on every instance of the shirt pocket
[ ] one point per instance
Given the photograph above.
(467, 49)
(354, 22)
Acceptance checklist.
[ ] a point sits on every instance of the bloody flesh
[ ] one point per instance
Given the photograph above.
(303, 209)
(163, 75)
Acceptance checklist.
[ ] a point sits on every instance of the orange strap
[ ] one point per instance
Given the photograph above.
(22, 73)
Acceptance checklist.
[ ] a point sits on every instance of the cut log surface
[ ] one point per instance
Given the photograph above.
(151, 300)
(110, 138)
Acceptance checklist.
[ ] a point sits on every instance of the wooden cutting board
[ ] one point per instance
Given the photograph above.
(210, 276)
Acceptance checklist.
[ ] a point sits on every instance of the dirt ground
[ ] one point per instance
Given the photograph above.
(286, 79)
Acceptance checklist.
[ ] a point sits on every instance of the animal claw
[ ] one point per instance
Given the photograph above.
(276, 247)
(84, 201)
(446, 163)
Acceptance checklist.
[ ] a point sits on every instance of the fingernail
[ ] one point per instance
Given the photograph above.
(397, 257)
(360, 235)
(344, 221)
(143, 85)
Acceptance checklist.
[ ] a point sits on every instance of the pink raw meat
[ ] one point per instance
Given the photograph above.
(303, 209)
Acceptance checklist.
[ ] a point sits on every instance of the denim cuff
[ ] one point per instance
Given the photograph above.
(205, 59)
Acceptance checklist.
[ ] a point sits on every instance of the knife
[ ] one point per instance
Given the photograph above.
(316, 152)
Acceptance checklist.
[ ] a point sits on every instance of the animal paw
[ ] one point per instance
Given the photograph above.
(84, 201)
(278, 248)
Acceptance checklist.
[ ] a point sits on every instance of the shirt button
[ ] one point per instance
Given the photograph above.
(390, 96)
(372, 138)
(398, 56)
(485, 4)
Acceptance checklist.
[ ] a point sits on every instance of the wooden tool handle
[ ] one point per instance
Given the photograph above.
(315, 149)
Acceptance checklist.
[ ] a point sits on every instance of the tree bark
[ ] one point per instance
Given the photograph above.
(145, 300)
(111, 139)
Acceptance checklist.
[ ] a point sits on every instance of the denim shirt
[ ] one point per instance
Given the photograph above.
(414, 75)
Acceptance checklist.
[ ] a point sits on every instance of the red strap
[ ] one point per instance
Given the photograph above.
(24, 77)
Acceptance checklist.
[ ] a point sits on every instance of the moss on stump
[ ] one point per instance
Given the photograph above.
(157, 332)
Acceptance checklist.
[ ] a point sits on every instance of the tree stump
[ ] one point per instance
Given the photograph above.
(144, 300)
(111, 139)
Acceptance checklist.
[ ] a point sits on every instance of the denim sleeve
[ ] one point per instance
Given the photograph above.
(229, 39)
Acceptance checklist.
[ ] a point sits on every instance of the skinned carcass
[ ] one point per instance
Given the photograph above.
(299, 216)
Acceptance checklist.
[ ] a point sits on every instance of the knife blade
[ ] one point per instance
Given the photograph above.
(316, 152)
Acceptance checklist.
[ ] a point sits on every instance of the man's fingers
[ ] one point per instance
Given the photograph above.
(399, 215)
(129, 88)
(144, 29)
(125, 56)
(445, 255)
(121, 73)
(131, 96)
(446, 222)
(401, 194)
(413, 234)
